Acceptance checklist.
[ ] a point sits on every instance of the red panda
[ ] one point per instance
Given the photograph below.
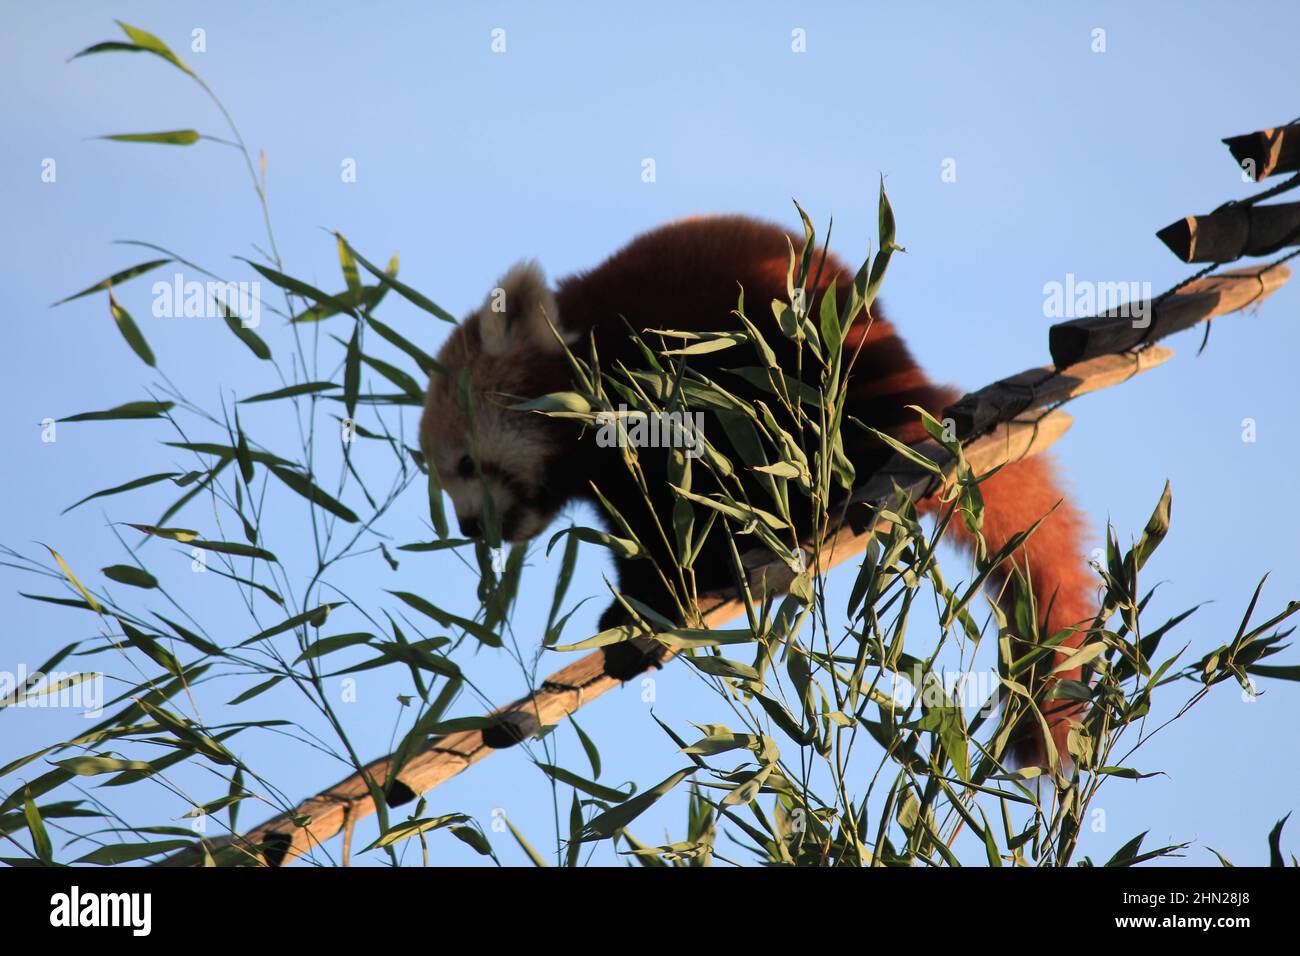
(686, 275)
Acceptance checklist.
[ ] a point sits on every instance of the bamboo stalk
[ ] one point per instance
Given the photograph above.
(1232, 232)
(1270, 151)
(1116, 331)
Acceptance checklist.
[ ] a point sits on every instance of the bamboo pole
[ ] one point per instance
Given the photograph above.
(1118, 331)
(1268, 151)
(1233, 231)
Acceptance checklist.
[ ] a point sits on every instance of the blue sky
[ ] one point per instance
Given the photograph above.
(1067, 161)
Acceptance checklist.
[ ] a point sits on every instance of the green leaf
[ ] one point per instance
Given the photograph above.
(150, 43)
(593, 754)
(622, 547)
(456, 725)
(605, 825)
(129, 574)
(91, 766)
(235, 548)
(554, 402)
(537, 858)
(405, 291)
(685, 637)
(428, 364)
(152, 649)
(1156, 528)
(437, 512)
(116, 278)
(352, 372)
(1275, 843)
(473, 839)
(115, 853)
(327, 645)
(298, 287)
(183, 535)
(303, 388)
(1126, 854)
(485, 635)
(129, 410)
(888, 247)
(410, 828)
(40, 837)
(174, 137)
(395, 375)
(348, 263)
(255, 343)
(596, 790)
(420, 546)
(72, 579)
(118, 489)
(131, 332)
(255, 691)
(303, 485)
(316, 617)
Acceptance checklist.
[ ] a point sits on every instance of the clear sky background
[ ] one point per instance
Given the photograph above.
(1067, 161)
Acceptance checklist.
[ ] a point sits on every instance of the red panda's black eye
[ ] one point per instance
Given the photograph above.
(465, 467)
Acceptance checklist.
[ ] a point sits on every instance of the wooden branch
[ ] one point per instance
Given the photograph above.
(1232, 232)
(1043, 386)
(1271, 151)
(1082, 339)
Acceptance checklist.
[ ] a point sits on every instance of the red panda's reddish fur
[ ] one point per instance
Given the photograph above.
(687, 275)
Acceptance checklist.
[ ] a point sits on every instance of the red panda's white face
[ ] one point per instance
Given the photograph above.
(479, 446)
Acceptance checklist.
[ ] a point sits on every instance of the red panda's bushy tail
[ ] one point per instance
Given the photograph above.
(1018, 495)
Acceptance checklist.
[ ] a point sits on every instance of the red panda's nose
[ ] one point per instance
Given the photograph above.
(471, 527)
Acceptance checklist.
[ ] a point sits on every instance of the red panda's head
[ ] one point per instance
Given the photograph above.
(502, 352)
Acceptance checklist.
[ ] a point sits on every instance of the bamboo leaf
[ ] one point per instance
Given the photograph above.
(183, 535)
(118, 489)
(129, 410)
(116, 853)
(116, 278)
(130, 574)
(483, 634)
(289, 391)
(315, 617)
(401, 288)
(130, 331)
(72, 579)
(174, 137)
(40, 837)
(605, 825)
(303, 485)
(596, 790)
(91, 766)
(352, 372)
(150, 43)
(298, 287)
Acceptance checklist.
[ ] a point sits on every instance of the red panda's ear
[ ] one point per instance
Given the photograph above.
(519, 313)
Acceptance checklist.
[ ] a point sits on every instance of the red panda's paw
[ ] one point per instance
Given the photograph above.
(626, 659)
